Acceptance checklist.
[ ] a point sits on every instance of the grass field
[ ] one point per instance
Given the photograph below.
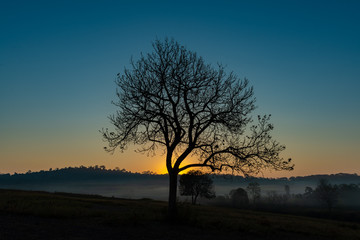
(42, 215)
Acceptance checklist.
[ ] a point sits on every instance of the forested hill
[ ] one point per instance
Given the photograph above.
(100, 173)
(82, 173)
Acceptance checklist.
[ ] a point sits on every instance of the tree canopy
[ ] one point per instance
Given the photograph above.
(170, 98)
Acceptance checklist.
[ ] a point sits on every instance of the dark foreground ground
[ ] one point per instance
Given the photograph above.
(40, 215)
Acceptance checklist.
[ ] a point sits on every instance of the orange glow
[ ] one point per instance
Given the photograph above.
(160, 165)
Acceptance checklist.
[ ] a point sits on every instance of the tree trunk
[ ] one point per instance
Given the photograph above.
(195, 198)
(172, 211)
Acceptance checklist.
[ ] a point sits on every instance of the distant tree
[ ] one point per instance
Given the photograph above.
(196, 184)
(172, 100)
(239, 197)
(309, 192)
(148, 172)
(272, 196)
(277, 199)
(254, 190)
(287, 191)
(349, 187)
(326, 193)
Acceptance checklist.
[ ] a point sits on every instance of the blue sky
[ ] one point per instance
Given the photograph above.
(59, 60)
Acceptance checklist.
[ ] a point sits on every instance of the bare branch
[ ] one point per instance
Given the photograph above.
(171, 100)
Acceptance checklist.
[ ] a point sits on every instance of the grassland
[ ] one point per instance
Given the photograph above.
(42, 215)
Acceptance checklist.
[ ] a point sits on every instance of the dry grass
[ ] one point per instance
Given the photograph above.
(99, 213)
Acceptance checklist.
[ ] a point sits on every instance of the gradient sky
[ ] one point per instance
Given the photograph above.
(59, 60)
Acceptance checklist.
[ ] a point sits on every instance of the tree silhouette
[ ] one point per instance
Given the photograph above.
(171, 100)
(239, 197)
(254, 190)
(287, 192)
(195, 183)
(327, 193)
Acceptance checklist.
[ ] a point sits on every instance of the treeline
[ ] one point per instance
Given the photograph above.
(324, 195)
(101, 173)
(326, 200)
(337, 178)
(337, 201)
(72, 174)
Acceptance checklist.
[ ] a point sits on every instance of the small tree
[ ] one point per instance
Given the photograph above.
(195, 184)
(172, 100)
(309, 192)
(239, 197)
(287, 192)
(254, 190)
(327, 193)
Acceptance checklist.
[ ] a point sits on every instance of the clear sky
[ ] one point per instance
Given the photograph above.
(59, 60)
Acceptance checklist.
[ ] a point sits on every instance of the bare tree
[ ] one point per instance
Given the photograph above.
(171, 100)
(195, 183)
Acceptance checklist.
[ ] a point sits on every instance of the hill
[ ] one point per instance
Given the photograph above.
(100, 173)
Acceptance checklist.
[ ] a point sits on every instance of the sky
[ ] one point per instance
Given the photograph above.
(59, 60)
